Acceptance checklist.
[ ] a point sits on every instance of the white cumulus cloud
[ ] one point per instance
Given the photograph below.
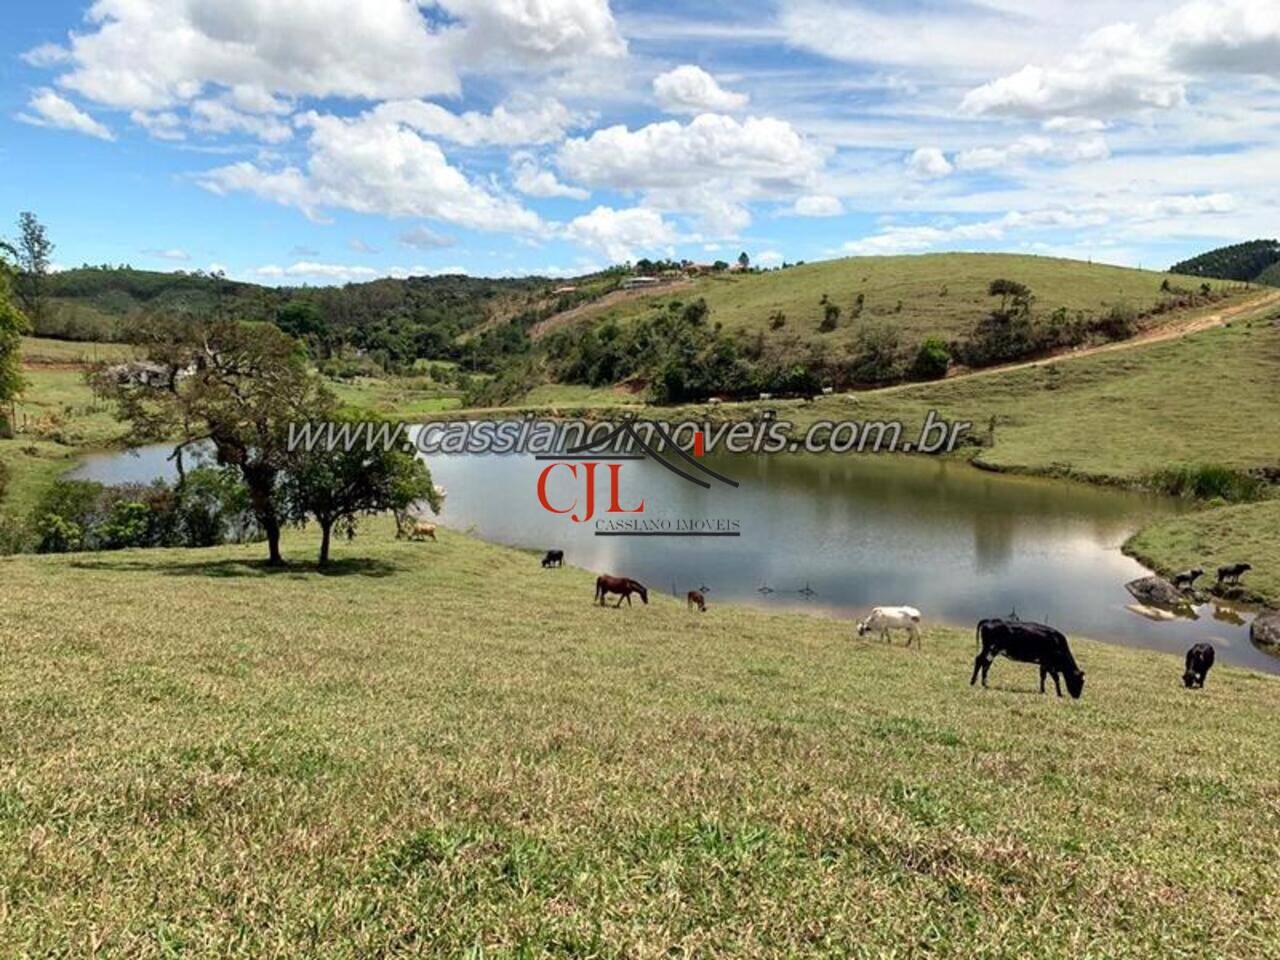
(708, 167)
(818, 205)
(621, 234)
(928, 163)
(690, 89)
(370, 165)
(153, 54)
(534, 180)
(48, 109)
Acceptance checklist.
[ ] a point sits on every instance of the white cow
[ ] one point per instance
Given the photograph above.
(883, 619)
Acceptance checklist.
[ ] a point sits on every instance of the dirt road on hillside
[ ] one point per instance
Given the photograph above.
(558, 320)
(1263, 301)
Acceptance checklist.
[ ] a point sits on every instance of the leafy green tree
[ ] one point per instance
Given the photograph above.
(302, 319)
(933, 357)
(337, 487)
(34, 253)
(12, 326)
(744, 261)
(238, 386)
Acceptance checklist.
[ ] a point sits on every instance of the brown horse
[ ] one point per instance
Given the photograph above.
(696, 599)
(623, 586)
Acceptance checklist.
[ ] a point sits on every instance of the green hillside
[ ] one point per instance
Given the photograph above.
(392, 321)
(1257, 261)
(856, 322)
(940, 294)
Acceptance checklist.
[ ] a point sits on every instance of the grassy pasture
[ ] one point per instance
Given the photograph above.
(941, 294)
(443, 750)
(57, 417)
(395, 396)
(1246, 533)
(1113, 417)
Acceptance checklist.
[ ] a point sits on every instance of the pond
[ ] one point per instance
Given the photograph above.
(839, 534)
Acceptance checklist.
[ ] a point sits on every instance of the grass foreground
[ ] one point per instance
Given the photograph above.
(443, 749)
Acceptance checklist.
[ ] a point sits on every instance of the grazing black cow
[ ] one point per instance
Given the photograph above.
(1199, 660)
(1187, 578)
(1232, 572)
(1028, 642)
(554, 558)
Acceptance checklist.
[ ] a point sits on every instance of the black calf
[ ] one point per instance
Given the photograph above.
(1028, 643)
(554, 558)
(1199, 660)
(1187, 578)
(1233, 572)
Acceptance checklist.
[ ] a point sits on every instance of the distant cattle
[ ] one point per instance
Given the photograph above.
(1199, 660)
(715, 401)
(826, 391)
(883, 619)
(423, 531)
(766, 396)
(696, 599)
(1028, 643)
(554, 558)
(1232, 573)
(624, 587)
(1187, 578)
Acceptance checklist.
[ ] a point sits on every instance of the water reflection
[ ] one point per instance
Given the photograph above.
(853, 531)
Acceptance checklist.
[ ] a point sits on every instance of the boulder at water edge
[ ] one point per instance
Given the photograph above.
(1266, 629)
(1158, 591)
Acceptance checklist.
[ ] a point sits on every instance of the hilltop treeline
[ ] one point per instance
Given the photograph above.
(388, 322)
(1257, 261)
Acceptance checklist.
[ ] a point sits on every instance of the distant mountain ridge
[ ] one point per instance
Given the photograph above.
(1256, 261)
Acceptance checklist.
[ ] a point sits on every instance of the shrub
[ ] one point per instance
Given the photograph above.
(933, 357)
(830, 318)
(56, 534)
(1118, 323)
(209, 508)
(127, 525)
(1208, 482)
(876, 355)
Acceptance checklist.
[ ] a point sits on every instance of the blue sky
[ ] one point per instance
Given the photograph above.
(333, 141)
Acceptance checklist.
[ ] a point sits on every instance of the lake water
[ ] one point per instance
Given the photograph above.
(840, 534)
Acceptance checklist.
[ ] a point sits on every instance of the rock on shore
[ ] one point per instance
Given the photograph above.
(1266, 629)
(1157, 591)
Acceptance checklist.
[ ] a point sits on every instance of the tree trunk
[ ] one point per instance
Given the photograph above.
(272, 529)
(261, 482)
(325, 530)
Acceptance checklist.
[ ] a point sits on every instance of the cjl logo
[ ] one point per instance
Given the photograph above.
(583, 466)
(586, 473)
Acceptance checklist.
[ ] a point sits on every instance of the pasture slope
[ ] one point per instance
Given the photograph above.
(921, 295)
(1211, 539)
(444, 750)
(58, 417)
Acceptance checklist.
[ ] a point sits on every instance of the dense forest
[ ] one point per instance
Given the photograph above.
(1257, 261)
(387, 324)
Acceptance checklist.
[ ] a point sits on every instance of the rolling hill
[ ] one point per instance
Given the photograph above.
(924, 295)
(846, 323)
(1257, 261)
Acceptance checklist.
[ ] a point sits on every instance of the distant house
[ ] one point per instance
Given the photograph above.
(631, 283)
(139, 374)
